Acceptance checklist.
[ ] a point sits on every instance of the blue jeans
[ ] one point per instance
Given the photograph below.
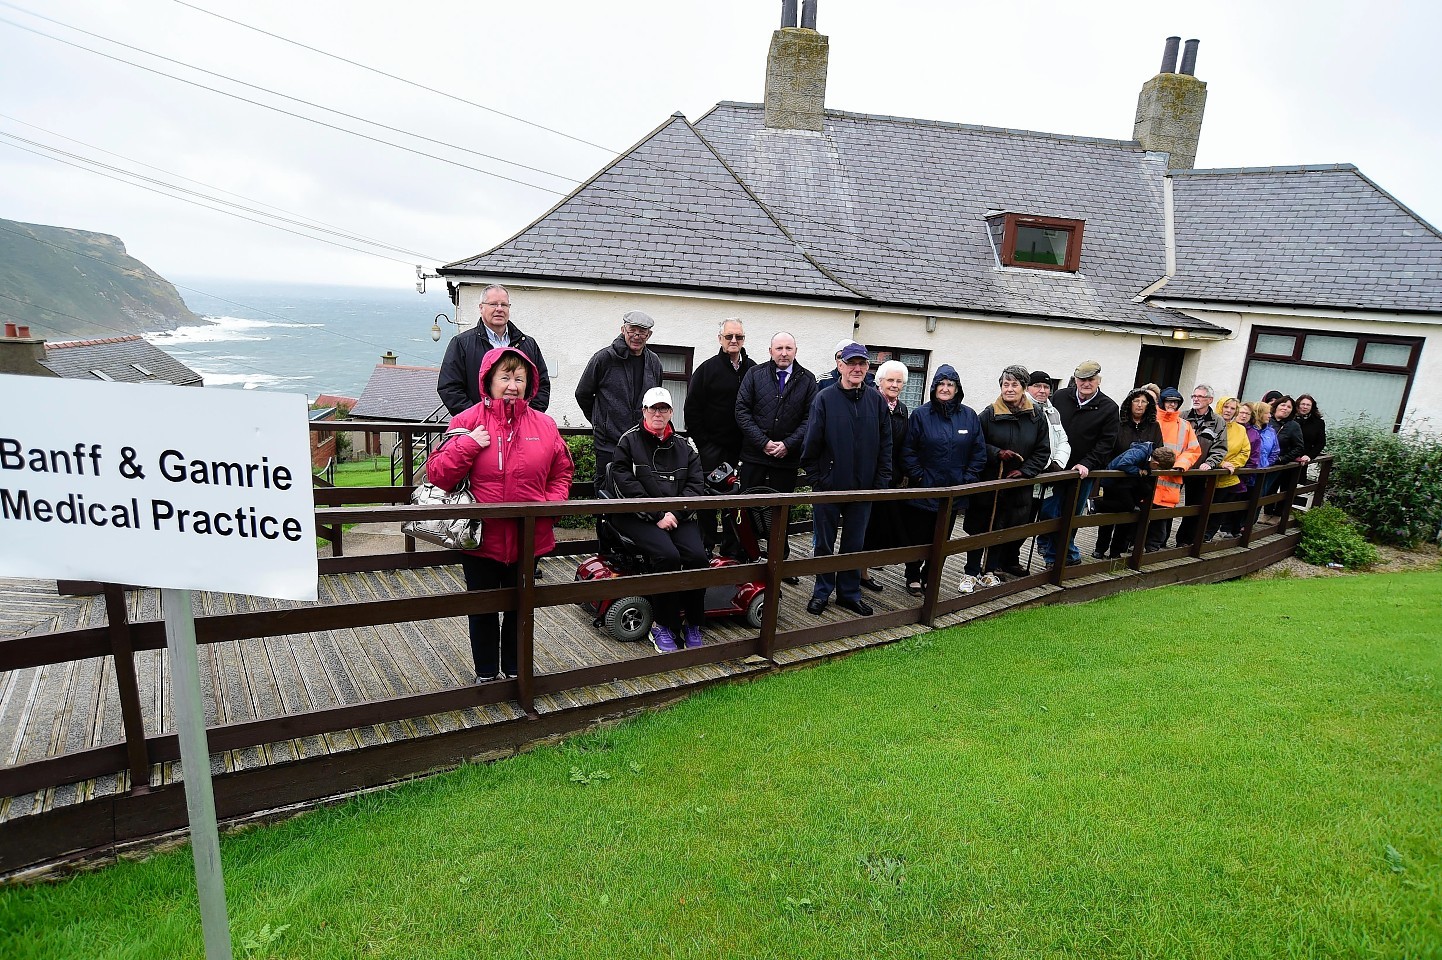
(851, 518)
(1050, 510)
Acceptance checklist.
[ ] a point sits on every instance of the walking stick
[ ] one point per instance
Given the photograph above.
(995, 498)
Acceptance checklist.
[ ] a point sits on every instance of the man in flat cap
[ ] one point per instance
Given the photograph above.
(613, 383)
(1091, 421)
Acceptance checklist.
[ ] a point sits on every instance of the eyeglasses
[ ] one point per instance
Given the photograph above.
(1201, 396)
(496, 305)
(638, 331)
(857, 362)
(734, 337)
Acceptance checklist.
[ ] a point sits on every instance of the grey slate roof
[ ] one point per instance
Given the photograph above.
(122, 359)
(667, 212)
(398, 392)
(1301, 236)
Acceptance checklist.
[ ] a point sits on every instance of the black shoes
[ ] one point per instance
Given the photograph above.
(1016, 571)
(816, 606)
(857, 606)
(791, 580)
(871, 584)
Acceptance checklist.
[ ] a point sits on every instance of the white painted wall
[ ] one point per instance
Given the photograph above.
(1222, 362)
(572, 324)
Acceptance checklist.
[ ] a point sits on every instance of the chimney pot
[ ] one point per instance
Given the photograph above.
(788, 13)
(1169, 55)
(11, 330)
(808, 14)
(23, 332)
(388, 358)
(1189, 58)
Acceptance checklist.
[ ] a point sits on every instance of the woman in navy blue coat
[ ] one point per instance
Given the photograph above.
(944, 447)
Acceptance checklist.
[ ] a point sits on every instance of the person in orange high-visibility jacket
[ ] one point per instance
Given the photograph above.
(1178, 436)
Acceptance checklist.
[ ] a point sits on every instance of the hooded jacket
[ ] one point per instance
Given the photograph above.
(765, 415)
(1130, 431)
(526, 461)
(848, 440)
(944, 445)
(1239, 448)
(611, 387)
(1177, 434)
(460, 374)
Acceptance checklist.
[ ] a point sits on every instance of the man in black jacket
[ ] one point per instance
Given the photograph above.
(613, 383)
(848, 447)
(711, 414)
(1091, 421)
(459, 384)
(772, 407)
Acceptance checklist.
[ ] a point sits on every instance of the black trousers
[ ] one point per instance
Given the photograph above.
(920, 525)
(780, 478)
(1196, 491)
(678, 549)
(1119, 496)
(1230, 522)
(493, 635)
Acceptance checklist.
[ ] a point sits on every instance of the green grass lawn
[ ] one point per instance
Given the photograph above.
(1243, 770)
(374, 472)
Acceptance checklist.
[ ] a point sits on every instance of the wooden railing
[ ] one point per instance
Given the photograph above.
(120, 639)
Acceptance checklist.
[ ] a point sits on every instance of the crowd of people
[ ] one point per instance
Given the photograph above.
(845, 430)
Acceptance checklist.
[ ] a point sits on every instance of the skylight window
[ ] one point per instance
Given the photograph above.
(1037, 243)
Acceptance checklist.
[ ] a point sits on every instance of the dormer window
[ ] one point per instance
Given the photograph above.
(1037, 243)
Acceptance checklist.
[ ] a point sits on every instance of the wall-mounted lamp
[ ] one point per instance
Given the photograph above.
(1180, 334)
(436, 326)
(930, 324)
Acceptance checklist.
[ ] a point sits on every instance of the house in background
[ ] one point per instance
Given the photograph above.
(398, 392)
(936, 242)
(129, 359)
(324, 447)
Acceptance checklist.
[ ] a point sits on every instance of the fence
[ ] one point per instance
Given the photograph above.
(120, 639)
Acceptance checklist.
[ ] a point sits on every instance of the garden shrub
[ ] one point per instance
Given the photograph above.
(583, 455)
(1329, 536)
(1389, 483)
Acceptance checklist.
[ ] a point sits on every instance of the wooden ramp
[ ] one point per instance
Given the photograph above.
(60, 708)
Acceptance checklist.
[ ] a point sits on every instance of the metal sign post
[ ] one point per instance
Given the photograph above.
(195, 769)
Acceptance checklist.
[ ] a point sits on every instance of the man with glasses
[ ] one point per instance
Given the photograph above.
(848, 447)
(614, 382)
(1092, 422)
(1211, 431)
(459, 383)
(711, 415)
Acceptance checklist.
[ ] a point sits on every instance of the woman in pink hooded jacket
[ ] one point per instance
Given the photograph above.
(512, 454)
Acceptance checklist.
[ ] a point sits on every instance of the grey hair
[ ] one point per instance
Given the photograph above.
(1017, 372)
(890, 367)
(494, 286)
(1211, 394)
(721, 327)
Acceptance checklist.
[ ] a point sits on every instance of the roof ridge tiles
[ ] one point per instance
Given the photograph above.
(1293, 168)
(92, 343)
(949, 125)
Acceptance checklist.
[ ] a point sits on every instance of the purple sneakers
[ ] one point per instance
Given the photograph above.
(663, 639)
(693, 637)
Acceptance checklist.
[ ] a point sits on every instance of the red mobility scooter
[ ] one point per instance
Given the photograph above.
(629, 618)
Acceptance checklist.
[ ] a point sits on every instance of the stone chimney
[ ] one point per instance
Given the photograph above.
(21, 353)
(1170, 107)
(388, 358)
(796, 71)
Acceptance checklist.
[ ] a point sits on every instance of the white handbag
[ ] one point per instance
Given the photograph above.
(453, 533)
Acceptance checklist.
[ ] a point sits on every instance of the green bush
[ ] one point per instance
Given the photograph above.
(583, 455)
(1329, 536)
(1389, 483)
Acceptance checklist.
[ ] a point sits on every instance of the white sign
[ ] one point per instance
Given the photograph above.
(159, 486)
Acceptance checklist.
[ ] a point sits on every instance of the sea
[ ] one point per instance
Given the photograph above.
(300, 338)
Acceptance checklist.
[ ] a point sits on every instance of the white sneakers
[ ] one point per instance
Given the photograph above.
(970, 584)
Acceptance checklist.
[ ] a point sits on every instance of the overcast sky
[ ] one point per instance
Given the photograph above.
(1323, 82)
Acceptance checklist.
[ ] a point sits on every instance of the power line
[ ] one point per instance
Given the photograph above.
(195, 193)
(210, 186)
(197, 203)
(413, 83)
(946, 274)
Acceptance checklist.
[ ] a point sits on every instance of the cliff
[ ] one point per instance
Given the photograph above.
(49, 281)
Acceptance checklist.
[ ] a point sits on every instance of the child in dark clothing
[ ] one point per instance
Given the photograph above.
(1124, 496)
